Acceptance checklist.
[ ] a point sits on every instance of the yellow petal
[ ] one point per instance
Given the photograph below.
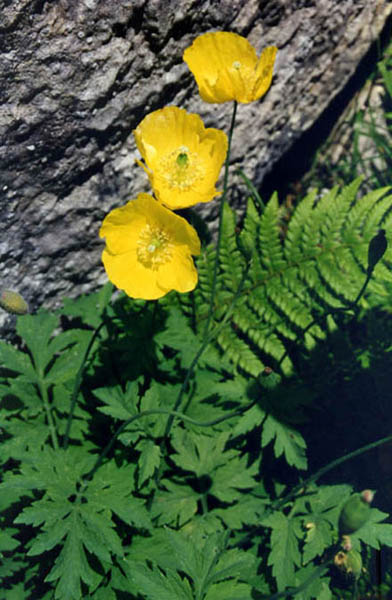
(148, 249)
(225, 67)
(165, 129)
(182, 158)
(264, 72)
(120, 228)
(180, 275)
(129, 275)
(180, 231)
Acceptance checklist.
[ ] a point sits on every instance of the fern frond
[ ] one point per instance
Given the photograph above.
(293, 285)
(231, 260)
(268, 238)
(238, 351)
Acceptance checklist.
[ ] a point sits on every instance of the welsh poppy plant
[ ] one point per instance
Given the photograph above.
(181, 157)
(226, 67)
(148, 249)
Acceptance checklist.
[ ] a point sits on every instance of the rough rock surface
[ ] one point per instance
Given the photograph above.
(77, 77)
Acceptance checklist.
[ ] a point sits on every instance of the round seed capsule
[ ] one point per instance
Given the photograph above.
(13, 302)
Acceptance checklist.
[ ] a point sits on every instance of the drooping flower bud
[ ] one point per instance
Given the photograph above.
(355, 512)
(13, 302)
(354, 563)
(377, 247)
(349, 562)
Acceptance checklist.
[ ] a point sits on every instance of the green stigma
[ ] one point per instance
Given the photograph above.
(182, 159)
(155, 243)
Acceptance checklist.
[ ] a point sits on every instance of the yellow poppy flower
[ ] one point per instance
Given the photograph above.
(182, 158)
(148, 249)
(226, 67)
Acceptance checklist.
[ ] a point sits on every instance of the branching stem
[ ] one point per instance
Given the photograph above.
(78, 380)
(158, 411)
(206, 337)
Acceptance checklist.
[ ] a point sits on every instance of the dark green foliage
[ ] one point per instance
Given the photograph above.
(78, 522)
(299, 278)
(120, 483)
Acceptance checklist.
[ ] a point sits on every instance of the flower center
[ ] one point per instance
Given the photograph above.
(182, 159)
(181, 169)
(154, 247)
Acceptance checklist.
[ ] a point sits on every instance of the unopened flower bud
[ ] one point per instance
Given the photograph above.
(13, 302)
(346, 543)
(339, 559)
(354, 563)
(367, 496)
(355, 512)
(377, 247)
(268, 379)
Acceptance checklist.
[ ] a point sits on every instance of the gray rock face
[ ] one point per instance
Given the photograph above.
(77, 77)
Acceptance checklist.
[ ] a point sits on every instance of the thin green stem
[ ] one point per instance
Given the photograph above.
(377, 247)
(208, 576)
(350, 306)
(301, 487)
(355, 589)
(204, 505)
(362, 290)
(250, 185)
(213, 333)
(77, 383)
(185, 385)
(220, 227)
(335, 463)
(158, 411)
(45, 399)
(205, 337)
